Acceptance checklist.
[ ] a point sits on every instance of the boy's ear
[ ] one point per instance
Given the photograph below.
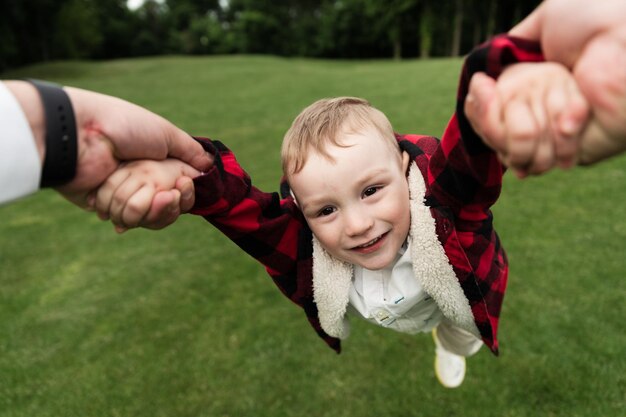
(406, 159)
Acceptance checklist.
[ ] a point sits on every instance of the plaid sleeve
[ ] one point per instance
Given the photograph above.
(465, 174)
(260, 223)
(270, 229)
(465, 177)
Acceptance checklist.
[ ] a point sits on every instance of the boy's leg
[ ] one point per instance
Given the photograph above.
(453, 344)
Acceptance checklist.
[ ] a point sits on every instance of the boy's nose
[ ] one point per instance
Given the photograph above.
(358, 221)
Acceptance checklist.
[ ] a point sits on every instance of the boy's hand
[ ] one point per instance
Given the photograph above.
(167, 206)
(533, 117)
(146, 193)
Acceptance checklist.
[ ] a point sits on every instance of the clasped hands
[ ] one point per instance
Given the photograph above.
(582, 122)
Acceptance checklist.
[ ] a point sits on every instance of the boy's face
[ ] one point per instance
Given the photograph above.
(358, 204)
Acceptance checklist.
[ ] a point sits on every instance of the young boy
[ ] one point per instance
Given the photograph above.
(394, 228)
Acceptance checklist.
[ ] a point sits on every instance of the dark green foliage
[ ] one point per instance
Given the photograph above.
(44, 30)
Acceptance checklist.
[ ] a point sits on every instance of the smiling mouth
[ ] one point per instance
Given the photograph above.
(371, 242)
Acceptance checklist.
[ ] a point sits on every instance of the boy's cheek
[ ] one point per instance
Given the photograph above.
(324, 237)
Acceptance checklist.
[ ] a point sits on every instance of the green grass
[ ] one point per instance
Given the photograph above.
(180, 323)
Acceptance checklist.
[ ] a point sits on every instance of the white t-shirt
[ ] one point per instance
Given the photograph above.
(20, 166)
(393, 297)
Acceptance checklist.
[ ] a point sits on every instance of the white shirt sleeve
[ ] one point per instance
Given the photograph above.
(20, 166)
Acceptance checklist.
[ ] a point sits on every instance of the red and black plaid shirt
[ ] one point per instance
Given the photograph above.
(463, 180)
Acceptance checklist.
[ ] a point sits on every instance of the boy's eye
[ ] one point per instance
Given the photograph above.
(370, 190)
(326, 211)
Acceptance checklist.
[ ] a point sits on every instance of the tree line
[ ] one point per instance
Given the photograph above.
(43, 30)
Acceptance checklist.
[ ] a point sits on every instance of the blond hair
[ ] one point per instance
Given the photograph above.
(322, 123)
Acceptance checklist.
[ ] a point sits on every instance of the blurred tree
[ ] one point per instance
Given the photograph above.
(26, 27)
(77, 33)
(117, 26)
(457, 26)
(257, 32)
(481, 17)
(198, 24)
(154, 31)
(40, 30)
(183, 12)
(304, 27)
(251, 25)
(205, 35)
(510, 12)
(347, 30)
(426, 25)
(390, 16)
(260, 26)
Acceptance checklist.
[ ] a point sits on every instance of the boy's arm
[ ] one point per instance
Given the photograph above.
(270, 229)
(260, 223)
(465, 177)
(465, 174)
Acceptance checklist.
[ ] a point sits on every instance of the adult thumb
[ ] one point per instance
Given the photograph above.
(530, 27)
(182, 146)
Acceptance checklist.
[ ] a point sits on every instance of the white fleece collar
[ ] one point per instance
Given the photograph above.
(332, 278)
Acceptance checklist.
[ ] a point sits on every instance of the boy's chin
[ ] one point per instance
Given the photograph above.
(376, 263)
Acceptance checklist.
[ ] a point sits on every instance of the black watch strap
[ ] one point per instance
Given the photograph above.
(59, 166)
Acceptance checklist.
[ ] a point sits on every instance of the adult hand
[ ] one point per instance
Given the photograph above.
(590, 40)
(111, 130)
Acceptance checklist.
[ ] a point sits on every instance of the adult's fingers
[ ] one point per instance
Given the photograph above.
(182, 146)
(602, 79)
(570, 126)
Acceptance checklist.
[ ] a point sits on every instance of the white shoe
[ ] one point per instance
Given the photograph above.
(449, 368)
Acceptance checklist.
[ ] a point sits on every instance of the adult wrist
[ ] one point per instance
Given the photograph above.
(61, 140)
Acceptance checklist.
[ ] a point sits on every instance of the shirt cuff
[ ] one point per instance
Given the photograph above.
(20, 165)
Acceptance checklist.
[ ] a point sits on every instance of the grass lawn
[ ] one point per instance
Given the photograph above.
(180, 323)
